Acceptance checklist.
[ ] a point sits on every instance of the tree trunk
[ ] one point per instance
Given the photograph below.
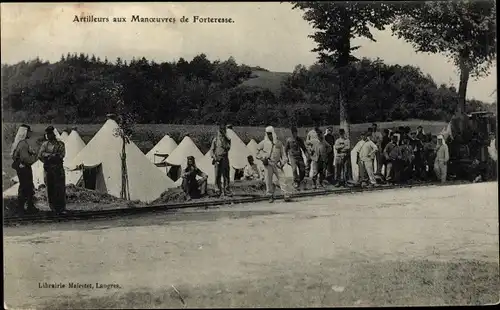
(125, 193)
(344, 112)
(462, 88)
(342, 66)
(459, 121)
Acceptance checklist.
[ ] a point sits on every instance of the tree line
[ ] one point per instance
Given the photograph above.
(462, 30)
(80, 89)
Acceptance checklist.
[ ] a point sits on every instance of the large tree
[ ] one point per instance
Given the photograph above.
(336, 24)
(463, 30)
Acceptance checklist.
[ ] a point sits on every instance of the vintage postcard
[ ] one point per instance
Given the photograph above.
(249, 154)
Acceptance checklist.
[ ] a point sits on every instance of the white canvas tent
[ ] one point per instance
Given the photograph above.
(182, 151)
(165, 146)
(239, 152)
(58, 136)
(252, 147)
(73, 145)
(11, 191)
(103, 153)
(64, 136)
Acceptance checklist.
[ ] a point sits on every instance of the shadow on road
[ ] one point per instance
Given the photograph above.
(160, 218)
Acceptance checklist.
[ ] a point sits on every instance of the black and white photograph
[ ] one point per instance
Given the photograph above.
(249, 154)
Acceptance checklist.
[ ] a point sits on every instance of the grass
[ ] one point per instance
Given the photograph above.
(267, 80)
(390, 283)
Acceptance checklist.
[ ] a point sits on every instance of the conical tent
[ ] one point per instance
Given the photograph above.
(238, 153)
(252, 147)
(104, 151)
(165, 146)
(73, 145)
(64, 136)
(58, 136)
(182, 151)
(11, 191)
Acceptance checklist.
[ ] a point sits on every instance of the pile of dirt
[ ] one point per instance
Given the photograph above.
(238, 190)
(77, 198)
(76, 194)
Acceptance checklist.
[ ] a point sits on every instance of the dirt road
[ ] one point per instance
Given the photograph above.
(421, 246)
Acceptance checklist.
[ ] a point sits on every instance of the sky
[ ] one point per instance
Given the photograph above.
(269, 35)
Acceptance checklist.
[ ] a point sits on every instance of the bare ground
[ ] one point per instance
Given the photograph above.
(420, 246)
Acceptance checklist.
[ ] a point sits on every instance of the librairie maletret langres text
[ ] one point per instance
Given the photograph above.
(75, 285)
(150, 19)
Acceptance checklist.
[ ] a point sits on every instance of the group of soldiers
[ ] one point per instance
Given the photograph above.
(397, 155)
(394, 156)
(51, 154)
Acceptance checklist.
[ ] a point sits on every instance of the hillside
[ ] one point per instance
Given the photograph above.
(267, 80)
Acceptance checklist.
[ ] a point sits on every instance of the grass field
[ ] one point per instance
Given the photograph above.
(147, 135)
(266, 79)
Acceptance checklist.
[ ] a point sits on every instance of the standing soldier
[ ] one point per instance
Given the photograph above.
(51, 154)
(377, 139)
(220, 159)
(407, 158)
(311, 141)
(330, 165)
(385, 140)
(272, 154)
(343, 148)
(418, 150)
(366, 157)
(392, 156)
(442, 158)
(294, 147)
(319, 157)
(23, 157)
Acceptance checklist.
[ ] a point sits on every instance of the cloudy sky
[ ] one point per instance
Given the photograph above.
(269, 35)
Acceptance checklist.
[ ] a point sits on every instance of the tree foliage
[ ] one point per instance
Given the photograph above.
(336, 24)
(80, 90)
(463, 30)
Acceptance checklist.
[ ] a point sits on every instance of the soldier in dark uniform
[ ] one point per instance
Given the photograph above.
(52, 154)
(23, 157)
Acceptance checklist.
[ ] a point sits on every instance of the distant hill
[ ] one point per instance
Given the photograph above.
(267, 79)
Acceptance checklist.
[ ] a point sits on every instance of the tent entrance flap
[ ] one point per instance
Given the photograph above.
(93, 178)
(174, 173)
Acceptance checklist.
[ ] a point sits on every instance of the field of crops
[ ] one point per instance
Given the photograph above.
(147, 135)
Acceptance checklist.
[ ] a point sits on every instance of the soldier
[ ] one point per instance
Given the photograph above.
(220, 159)
(192, 187)
(319, 160)
(294, 147)
(23, 157)
(51, 154)
(343, 147)
(272, 154)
